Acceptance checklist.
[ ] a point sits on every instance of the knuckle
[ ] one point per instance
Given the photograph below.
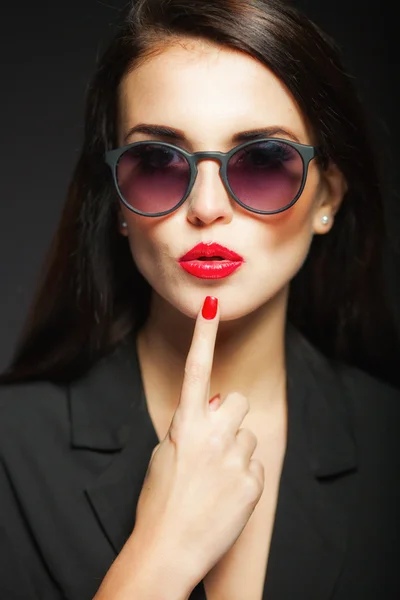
(258, 471)
(253, 437)
(249, 433)
(253, 489)
(215, 442)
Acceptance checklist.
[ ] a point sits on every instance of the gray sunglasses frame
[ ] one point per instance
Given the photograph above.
(307, 153)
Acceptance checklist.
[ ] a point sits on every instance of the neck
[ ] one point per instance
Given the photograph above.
(249, 354)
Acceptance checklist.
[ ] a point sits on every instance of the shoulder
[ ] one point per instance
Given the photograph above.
(30, 411)
(368, 397)
(346, 387)
(348, 399)
(374, 410)
(89, 410)
(24, 398)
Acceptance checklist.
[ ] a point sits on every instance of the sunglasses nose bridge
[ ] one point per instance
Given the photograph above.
(218, 156)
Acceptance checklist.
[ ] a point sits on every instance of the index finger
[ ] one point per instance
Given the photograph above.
(198, 366)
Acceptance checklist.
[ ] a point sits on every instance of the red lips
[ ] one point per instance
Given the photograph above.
(211, 250)
(202, 261)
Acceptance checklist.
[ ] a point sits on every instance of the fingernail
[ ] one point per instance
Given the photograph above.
(214, 401)
(210, 308)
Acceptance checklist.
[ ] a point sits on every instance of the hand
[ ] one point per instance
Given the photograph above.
(202, 483)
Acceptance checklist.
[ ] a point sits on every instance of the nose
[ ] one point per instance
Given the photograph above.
(209, 200)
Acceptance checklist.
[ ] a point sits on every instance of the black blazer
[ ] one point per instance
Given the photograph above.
(73, 460)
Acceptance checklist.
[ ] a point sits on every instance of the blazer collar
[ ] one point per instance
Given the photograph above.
(317, 488)
(317, 400)
(102, 402)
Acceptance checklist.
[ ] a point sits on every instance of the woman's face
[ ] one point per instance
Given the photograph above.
(210, 94)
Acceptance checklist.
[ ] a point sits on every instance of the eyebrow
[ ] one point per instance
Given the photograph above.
(178, 135)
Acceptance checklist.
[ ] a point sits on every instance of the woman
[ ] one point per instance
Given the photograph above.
(225, 131)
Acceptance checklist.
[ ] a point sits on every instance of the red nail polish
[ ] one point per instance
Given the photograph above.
(214, 402)
(214, 398)
(210, 308)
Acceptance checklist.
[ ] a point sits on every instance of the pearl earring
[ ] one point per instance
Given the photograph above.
(325, 220)
(124, 224)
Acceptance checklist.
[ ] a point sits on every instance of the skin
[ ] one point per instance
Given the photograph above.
(210, 93)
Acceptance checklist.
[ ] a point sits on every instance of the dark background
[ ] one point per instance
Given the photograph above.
(48, 51)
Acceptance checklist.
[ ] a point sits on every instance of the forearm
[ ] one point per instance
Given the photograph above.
(142, 574)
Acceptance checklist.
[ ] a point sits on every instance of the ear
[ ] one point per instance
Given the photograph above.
(332, 190)
(122, 225)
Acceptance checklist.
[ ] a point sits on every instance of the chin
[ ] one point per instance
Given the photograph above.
(233, 305)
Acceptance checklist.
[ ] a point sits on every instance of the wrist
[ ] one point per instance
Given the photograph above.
(162, 570)
(146, 571)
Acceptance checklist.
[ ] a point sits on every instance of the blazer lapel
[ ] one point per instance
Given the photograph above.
(107, 409)
(115, 494)
(317, 483)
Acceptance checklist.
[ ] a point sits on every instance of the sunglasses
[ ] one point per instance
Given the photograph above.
(264, 176)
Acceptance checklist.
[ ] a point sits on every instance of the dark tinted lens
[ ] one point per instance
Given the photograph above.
(152, 178)
(266, 176)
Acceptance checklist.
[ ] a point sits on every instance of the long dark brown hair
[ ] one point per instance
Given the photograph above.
(91, 295)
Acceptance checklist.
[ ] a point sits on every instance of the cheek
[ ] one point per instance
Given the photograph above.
(146, 249)
(289, 234)
(294, 224)
(298, 220)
